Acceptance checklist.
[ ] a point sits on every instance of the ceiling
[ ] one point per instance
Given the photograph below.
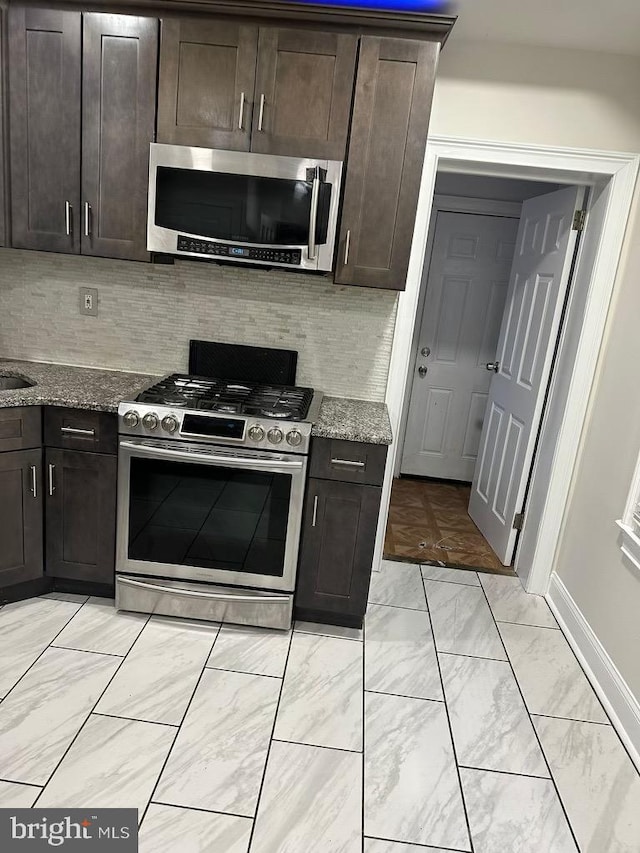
(612, 26)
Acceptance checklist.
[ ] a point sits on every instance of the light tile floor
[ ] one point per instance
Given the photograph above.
(458, 720)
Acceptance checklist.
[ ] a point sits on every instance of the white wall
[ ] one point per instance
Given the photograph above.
(584, 100)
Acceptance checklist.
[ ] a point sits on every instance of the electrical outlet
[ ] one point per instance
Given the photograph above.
(89, 301)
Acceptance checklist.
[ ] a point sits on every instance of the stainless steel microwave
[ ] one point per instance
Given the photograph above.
(237, 206)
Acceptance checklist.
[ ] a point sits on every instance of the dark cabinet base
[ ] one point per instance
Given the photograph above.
(326, 617)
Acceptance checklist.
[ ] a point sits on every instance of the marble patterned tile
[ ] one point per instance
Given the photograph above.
(65, 596)
(160, 673)
(462, 622)
(400, 656)
(339, 631)
(16, 796)
(99, 627)
(441, 573)
(550, 677)
(219, 755)
(398, 584)
(490, 724)
(169, 829)
(321, 702)
(510, 602)
(599, 785)
(377, 845)
(261, 651)
(311, 801)
(508, 813)
(112, 764)
(40, 718)
(411, 789)
(26, 629)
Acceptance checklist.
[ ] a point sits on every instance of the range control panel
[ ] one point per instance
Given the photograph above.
(246, 253)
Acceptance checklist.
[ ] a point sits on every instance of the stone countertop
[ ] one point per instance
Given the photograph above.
(76, 387)
(353, 420)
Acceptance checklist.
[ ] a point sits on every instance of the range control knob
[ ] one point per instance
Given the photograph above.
(294, 438)
(150, 421)
(169, 424)
(131, 419)
(275, 435)
(256, 433)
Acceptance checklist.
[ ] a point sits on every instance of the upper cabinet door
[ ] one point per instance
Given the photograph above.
(394, 87)
(207, 78)
(118, 117)
(303, 93)
(44, 102)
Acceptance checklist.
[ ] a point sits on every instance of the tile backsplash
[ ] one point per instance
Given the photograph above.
(148, 313)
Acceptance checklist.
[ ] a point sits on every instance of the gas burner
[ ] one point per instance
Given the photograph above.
(280, 413)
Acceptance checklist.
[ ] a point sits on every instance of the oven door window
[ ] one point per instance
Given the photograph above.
(239, 208)
(189, 514)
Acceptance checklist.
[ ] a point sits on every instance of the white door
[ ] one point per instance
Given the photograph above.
(537, 290)
(467, 286)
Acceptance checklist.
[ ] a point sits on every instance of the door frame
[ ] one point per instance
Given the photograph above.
(443, 204)
(596, 270)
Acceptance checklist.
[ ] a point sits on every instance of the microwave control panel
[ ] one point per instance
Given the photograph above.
(246, 253)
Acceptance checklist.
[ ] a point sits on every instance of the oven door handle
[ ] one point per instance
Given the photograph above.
(192, 593)
(214, 459)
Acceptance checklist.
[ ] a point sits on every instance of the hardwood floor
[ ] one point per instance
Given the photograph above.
(429, 523)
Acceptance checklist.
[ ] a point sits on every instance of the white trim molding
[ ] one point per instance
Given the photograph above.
(611, 688)
(629, 543)
(557, 165)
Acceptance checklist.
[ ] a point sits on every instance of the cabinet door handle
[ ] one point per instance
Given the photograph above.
(348, 463)
(52, 485)
(347, 244)
(34, 481)
(241, 117)
(77, 431)
(67, 218)
(261, 113)
(87, 219)
(315, 511)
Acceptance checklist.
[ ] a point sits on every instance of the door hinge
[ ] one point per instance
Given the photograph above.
(579, 218)
(518, 521)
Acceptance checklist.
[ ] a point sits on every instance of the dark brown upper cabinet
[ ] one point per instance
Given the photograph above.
(394, 88)
(44, 104)
(304, 85)
(207, 78)
(82, 105)
(268, 90)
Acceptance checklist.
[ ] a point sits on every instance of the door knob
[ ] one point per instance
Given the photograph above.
(422, 370)
(493, 365)
(425, 351)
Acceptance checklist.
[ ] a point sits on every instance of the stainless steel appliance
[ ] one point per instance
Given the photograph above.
(244, 207)
(210, 489)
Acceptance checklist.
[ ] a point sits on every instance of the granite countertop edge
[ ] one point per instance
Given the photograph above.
(353, 420)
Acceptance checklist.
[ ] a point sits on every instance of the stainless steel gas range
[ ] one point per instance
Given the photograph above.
(210, 490)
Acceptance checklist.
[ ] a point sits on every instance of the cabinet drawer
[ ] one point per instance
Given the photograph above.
(348, 461)
(80, 429)
(20, 428)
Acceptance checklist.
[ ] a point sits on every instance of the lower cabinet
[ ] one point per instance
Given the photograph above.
(80, 516)
(20, 517)
(339, 531)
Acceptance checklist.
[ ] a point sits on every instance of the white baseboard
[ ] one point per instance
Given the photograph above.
(612, 690)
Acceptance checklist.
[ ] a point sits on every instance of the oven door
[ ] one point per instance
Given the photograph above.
(208, 513)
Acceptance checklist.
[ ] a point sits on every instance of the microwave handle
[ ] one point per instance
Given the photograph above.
(313, 214)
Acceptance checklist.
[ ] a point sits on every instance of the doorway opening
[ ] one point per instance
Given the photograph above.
(496, 282)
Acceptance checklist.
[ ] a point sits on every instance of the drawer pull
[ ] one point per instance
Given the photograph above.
(87, 433)
(315, 511)
(348, 463)
(34, 481)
